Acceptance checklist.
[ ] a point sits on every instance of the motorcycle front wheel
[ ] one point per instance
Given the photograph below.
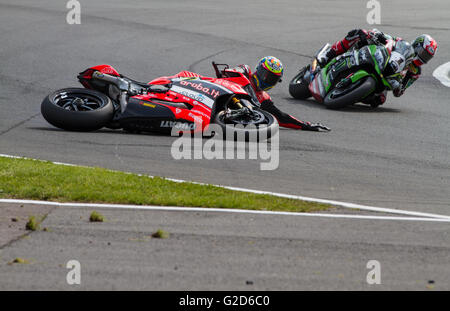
(338, 98)
(261, 125)
(77, 109)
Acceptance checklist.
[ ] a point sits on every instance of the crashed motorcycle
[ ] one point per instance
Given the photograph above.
(347, 79)
(187, 104)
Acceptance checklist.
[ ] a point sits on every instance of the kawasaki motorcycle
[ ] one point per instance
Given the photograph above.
(347, 79)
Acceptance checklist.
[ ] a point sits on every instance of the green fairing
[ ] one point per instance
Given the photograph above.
(358, 75)
(373, 49)
(325, 76)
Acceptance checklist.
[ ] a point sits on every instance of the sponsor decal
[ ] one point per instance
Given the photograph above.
(196, 118)
(107, 70)
(193, 95)
(364, 55)
(178, 125)
(201, 113)
(147, 104)
(229, 85)
(199, 86)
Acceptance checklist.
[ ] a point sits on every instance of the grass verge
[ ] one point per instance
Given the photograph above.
(96, 217)
(42, 180)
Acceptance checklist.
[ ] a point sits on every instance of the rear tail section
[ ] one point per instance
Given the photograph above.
(86, 80)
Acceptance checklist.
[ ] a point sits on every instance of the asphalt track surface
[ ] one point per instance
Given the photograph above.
(397, 156)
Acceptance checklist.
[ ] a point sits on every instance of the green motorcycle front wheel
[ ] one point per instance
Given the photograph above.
(338, 98)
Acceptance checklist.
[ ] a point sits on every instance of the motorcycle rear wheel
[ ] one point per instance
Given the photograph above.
(77, 109)
(298, 87)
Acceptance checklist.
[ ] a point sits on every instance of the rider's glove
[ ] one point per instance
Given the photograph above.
(316, 127)
(377, 36)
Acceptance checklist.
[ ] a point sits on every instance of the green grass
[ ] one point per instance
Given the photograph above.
(32, 224)
(96, 217)
(19, 261)
(161, 234)
(41, 180)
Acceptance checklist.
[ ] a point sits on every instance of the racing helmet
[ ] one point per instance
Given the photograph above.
(268, 72)
(424, 47)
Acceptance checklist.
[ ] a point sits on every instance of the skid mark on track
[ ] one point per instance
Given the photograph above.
(192, 66)
(19, 124)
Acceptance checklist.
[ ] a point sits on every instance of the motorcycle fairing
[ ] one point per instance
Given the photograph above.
(189, 103)
(86, 80)
(149, 116)
(342, 67)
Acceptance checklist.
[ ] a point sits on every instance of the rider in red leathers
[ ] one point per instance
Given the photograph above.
(267, 74)
(420, 52)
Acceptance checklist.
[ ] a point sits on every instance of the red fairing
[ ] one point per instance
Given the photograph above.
(86, 75)
(107, 69)
(198, 113)
(315, 90)
(233, 84)
(162, 80)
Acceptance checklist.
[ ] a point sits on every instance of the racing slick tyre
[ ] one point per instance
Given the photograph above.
(298, 87)
(339, 98)
(264, 126)
(77, 109)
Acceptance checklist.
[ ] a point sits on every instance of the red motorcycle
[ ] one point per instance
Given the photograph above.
(185, 102)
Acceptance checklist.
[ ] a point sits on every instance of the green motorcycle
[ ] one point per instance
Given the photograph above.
(347, 79)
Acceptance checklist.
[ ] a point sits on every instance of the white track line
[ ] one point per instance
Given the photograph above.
(219, 210)
(290, 196)
(442, 73)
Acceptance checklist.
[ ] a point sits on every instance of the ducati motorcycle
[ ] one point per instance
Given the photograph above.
(190, 104)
